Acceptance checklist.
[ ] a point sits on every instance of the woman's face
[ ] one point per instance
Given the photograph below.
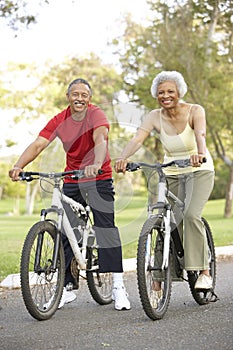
(167, 94)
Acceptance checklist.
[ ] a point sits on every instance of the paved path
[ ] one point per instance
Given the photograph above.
(85, 325)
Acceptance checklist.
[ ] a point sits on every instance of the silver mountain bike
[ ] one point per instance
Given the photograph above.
(160, 253)
(42, 267)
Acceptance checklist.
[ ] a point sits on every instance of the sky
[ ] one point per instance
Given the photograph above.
(67, 27)
(64, 28)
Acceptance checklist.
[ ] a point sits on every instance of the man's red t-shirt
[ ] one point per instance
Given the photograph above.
(77, 139)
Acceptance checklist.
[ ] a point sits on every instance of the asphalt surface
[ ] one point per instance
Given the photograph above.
(84, 324)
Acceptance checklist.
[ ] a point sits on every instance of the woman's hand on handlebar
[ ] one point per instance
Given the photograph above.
(196, 160)
(14, 173)
(120, 165)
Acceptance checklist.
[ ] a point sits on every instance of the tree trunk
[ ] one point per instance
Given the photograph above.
(16, 205)
(229, 196)
(30, 197)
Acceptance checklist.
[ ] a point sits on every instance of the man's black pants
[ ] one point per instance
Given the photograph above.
(99, 195)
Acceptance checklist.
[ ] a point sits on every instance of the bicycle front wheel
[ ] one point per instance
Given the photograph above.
(41, 285)
(99, 284)
(203, 297)
(149, 272)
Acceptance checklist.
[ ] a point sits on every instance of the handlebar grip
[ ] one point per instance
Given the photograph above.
(132, 166)
(25, 176)
(79, 174)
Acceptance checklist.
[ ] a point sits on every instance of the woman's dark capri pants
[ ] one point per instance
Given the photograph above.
(99, 195)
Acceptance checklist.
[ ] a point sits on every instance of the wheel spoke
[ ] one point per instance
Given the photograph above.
(154, 284)
(99, 284)
(204, 297)
(41, 287)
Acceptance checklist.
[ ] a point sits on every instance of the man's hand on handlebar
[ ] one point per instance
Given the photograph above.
(92, 170)
(14, 173)
(120, 165)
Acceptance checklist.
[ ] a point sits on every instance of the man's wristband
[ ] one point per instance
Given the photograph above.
(16, 167)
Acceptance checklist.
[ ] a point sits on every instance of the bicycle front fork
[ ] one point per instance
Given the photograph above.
(167, 237)
(57, 241)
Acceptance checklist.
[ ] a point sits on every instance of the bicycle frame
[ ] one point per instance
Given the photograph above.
(57, 207)
(62, 219)
(164, 208)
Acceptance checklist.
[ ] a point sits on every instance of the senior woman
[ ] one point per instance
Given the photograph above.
(182, 131)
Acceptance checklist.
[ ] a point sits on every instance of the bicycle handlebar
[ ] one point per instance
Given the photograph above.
(73, 174)
(181, 163)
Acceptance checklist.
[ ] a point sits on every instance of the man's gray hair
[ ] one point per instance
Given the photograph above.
(79, 81)
(169, 76)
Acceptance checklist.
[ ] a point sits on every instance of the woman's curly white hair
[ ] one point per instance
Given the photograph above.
(171, 76)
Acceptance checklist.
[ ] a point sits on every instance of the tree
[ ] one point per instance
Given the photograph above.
(16, 13)
(195, 38)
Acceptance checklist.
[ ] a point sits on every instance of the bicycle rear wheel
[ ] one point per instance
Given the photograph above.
(149, 261)
(203, 297)
(99, 284)
(41, 286)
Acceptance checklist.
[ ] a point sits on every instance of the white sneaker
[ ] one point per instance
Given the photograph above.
(203, 282)
(155, 297)
(67, 297)
(119, 295)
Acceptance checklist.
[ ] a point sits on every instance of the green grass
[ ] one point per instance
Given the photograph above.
(222, 228)
(130, 215)
(13, 229)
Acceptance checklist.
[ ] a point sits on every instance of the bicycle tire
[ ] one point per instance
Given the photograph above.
(41, 289)
(203, 297)
(99, 284)
(149, 255)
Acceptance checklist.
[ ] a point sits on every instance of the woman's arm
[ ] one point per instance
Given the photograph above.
(199, 126)
(131, 148)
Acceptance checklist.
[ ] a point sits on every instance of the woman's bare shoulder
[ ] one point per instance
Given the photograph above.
(197, 113)
(153, 117)
(196, 108)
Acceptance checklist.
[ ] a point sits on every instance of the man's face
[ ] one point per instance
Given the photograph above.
(79, 97)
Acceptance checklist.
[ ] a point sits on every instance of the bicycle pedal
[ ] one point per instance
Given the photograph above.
(199, 290)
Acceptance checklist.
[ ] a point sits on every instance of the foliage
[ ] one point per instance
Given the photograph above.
(195, 38)
(7, 187)
(103, 79)
(16, 13)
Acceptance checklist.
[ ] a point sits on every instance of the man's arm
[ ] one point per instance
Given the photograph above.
(30, 153)
(100, 136)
